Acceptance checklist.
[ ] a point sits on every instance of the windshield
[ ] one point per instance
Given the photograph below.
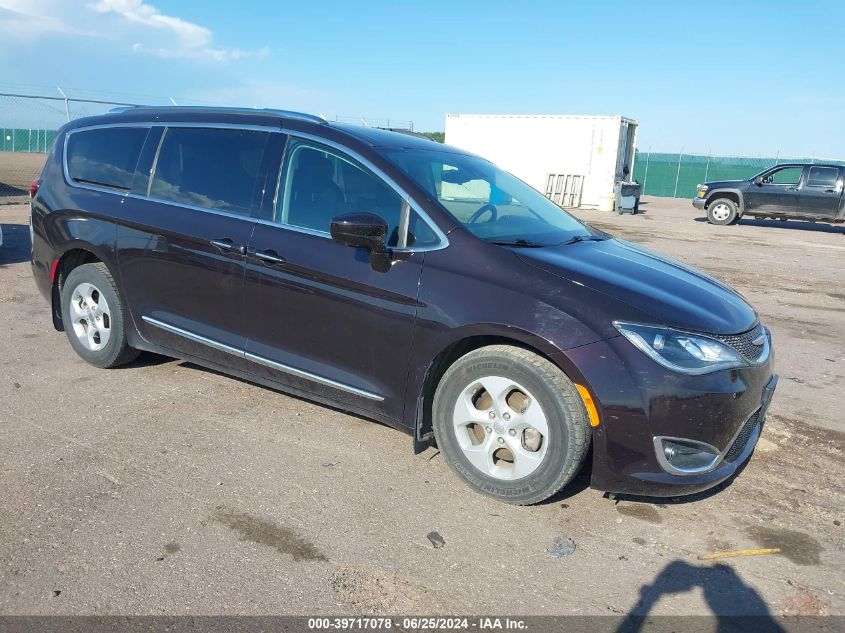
(491, 203)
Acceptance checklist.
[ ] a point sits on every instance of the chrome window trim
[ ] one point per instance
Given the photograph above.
(100, 188)
(228, 214)
(261, 360)
(441, 236)
(147, 125)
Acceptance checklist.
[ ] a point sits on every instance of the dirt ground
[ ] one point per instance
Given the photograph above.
(165, 488)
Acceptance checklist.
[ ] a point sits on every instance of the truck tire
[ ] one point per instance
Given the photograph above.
(510, 424)
(722, 211)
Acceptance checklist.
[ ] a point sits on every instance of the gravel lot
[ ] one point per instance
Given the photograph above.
(166, 488)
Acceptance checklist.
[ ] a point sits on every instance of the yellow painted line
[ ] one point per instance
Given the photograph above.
(740, 552)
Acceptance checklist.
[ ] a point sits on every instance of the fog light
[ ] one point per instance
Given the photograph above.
(685, 457)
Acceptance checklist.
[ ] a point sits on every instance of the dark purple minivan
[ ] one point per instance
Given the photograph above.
(403, 280)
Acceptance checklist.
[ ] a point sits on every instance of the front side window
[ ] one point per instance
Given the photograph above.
(489, 202)
(784, 176)
(823, 177)
(218, 169)
(105, 157)
(320, 184)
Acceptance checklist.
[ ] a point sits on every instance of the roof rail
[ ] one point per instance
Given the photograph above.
(286, 113)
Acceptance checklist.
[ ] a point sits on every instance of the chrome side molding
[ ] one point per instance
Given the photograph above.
(261, 360)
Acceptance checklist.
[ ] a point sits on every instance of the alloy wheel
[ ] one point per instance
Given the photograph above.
(501, 428)
(90, 316)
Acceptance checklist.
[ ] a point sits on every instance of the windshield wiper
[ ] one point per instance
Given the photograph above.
(520, 243)
(584, 238)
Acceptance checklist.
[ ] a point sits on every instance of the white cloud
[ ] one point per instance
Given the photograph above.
(191, 35)
(23, 20)
(155, 33)
(200, 53)
(195, 41)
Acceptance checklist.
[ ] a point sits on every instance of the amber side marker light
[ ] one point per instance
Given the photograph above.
(592, 412)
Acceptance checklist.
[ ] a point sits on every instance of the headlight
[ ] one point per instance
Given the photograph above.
(702, 190)
(680, 351)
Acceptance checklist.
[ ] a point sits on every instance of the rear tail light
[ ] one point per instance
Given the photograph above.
(33, 188)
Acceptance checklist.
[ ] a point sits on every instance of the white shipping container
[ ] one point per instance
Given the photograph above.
(532, 147)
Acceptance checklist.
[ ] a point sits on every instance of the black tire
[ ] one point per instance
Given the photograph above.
(569, 429)
(716, 212)
(116, 351)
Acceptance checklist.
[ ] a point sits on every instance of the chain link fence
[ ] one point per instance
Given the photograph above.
(29, 125)
(677, 175)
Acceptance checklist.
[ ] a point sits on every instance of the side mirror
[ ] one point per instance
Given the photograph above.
(360, 230)
(758, 180)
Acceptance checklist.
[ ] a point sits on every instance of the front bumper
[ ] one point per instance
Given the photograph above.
(699, 203)
(640, 401)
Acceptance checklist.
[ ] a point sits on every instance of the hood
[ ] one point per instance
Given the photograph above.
(672, 293)
(725, 184)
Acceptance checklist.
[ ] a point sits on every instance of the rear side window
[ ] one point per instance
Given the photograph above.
(105, 157)
(823, 177)
(217, 169)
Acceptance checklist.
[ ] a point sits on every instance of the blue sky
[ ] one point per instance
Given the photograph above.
(750, 77)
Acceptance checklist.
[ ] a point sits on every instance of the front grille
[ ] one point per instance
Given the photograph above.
(742, 343)
(742, 439)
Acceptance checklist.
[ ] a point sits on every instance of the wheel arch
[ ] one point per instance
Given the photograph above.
(73, 257)
(735, 195)
(464, 341)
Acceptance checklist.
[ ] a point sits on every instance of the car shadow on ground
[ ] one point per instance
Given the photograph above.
(798, 225)
(580, 483)
(16, 244)
(737, 607)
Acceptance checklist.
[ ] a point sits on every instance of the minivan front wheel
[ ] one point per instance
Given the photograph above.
(94, 318)
(510, 424)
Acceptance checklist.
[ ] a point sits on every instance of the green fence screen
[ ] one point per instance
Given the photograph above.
(676, 175)
(26, 140)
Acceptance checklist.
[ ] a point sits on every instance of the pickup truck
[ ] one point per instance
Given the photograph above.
(792, 191)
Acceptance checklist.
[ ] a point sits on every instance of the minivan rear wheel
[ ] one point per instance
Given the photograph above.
(510, 424)
(94, 318)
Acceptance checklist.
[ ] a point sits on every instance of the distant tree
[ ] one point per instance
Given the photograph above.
(440, 137)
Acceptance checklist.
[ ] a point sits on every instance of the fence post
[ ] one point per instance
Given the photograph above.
(645, 176)
(67, 108)
(678, 174)
(707, 168)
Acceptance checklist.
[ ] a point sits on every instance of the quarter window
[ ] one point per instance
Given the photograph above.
(105, 157)
(320, 184)
(218, 169)
(823, 177)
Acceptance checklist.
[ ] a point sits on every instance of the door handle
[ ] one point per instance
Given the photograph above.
(226, 244)
(830, 190)
(269, 257)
